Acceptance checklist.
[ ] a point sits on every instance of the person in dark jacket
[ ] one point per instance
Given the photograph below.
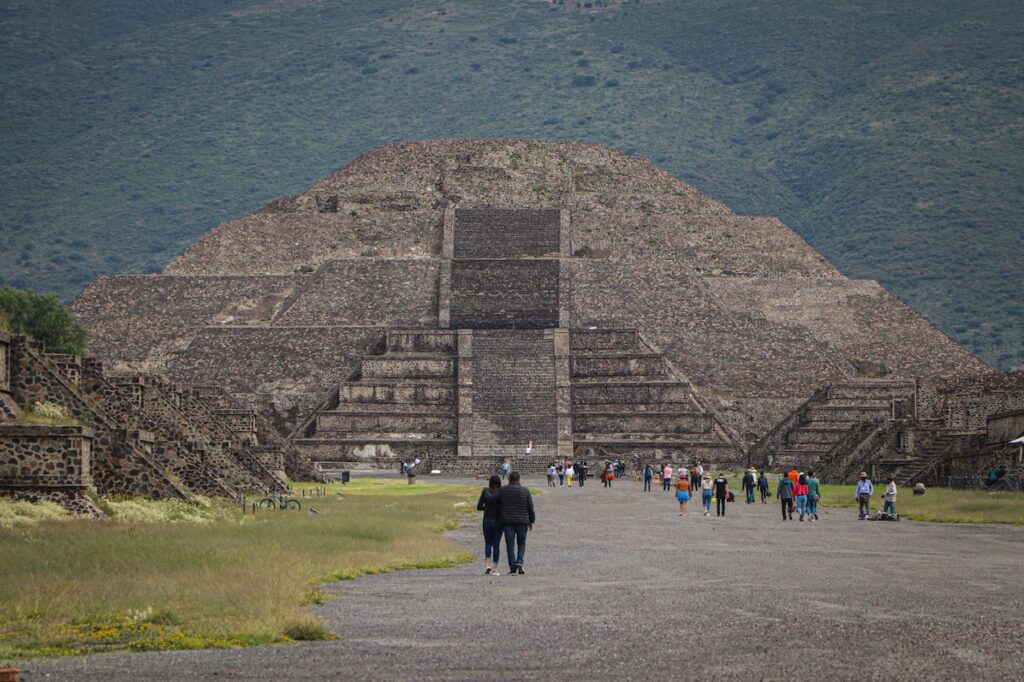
(490, 504)
(721, 494)
(785, 495)
(762, 486)
(517, 518)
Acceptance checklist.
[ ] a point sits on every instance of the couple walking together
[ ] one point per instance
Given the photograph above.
(507, 511)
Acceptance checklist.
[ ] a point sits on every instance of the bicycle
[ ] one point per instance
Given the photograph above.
(280, 501)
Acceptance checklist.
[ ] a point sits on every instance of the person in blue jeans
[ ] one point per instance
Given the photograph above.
(490, 504)
(648, 477)
(517, 518)
(813, 495)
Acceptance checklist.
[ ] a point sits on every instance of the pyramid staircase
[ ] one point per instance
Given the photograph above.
(627, 401)
(834, 422)
(399, 406)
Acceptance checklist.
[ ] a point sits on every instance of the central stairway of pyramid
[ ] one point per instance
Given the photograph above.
(502, 371)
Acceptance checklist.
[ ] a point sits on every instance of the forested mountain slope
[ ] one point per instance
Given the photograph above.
(887, 134)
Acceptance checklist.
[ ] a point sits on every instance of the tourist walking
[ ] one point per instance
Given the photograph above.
(749, 484)
(889, 501)
(607, 475)
(800, 491)
(721, 494)
(666, 477)
(561, 473)
(785, 495)
(490, 504)
(570, 473)
(505, 466)
(863, 495)
(813, 495)
(581, 472)
(794, 476)
(762, 487)
(552, 472)
(517, 518)
(706, 492)
(683, 494)
(648, 477)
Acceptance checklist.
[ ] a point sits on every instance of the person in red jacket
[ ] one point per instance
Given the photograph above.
(801, 490)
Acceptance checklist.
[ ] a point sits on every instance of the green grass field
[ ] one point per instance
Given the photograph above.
(170, 576)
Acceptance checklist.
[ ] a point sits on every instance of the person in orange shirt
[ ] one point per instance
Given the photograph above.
(794, 476)
(683, 494)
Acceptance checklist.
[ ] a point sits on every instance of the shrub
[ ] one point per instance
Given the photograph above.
(306, 628)
(583, 81)
(43, 317)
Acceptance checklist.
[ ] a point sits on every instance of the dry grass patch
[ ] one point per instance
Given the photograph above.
(160, 580)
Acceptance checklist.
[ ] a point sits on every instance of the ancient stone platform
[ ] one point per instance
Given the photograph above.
(295, 307)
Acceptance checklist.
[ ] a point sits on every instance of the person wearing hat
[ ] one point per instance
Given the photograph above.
(706, 493)
(863, 495)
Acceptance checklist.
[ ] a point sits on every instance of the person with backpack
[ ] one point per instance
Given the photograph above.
(648, 477)
(813, 495)
(721, 494)
(749, 484)
(785, 495)
(863, 494)
(762, 486)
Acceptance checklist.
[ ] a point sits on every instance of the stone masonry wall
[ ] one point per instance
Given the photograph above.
(488, 294)
(507, 233)
(120, 466)
(45, 456)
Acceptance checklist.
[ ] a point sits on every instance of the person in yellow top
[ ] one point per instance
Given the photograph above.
(683, 494)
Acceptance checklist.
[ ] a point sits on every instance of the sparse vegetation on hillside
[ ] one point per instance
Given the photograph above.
(889, 136)
(42, 317)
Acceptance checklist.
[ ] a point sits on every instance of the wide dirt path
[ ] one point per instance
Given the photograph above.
(619, 587)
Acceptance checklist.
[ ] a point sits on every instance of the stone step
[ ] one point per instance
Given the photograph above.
(630, 380)
(647, 438)
(619, 366)
(420, 341)
(404, 392)
(883, 402)
(618, 392)
(830, 413)
(413, 366)
(660, 422)
(339, 423)
(363, 408)
(875, 391)
(683, 407)
(816, 434)
(808, 447)
(604, 339)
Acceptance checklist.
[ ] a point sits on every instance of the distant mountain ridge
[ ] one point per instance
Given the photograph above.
(889, 137)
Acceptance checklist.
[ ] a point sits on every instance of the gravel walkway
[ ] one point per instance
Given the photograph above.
(620, 587)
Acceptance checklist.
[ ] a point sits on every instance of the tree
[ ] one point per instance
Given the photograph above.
(43, 317)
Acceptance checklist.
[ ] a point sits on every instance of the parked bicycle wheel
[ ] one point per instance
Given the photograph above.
(268, 503)
(293, 504)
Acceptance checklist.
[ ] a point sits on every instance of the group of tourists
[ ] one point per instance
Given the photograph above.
(567, 472)
(508, 512)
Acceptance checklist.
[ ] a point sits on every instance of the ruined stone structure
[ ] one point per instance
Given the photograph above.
(129, 435)
(923, 430)
(453, 300)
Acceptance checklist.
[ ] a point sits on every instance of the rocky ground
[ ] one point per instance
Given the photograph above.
(618, 586)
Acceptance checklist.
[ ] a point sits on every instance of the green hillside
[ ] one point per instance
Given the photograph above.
(889, 135)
